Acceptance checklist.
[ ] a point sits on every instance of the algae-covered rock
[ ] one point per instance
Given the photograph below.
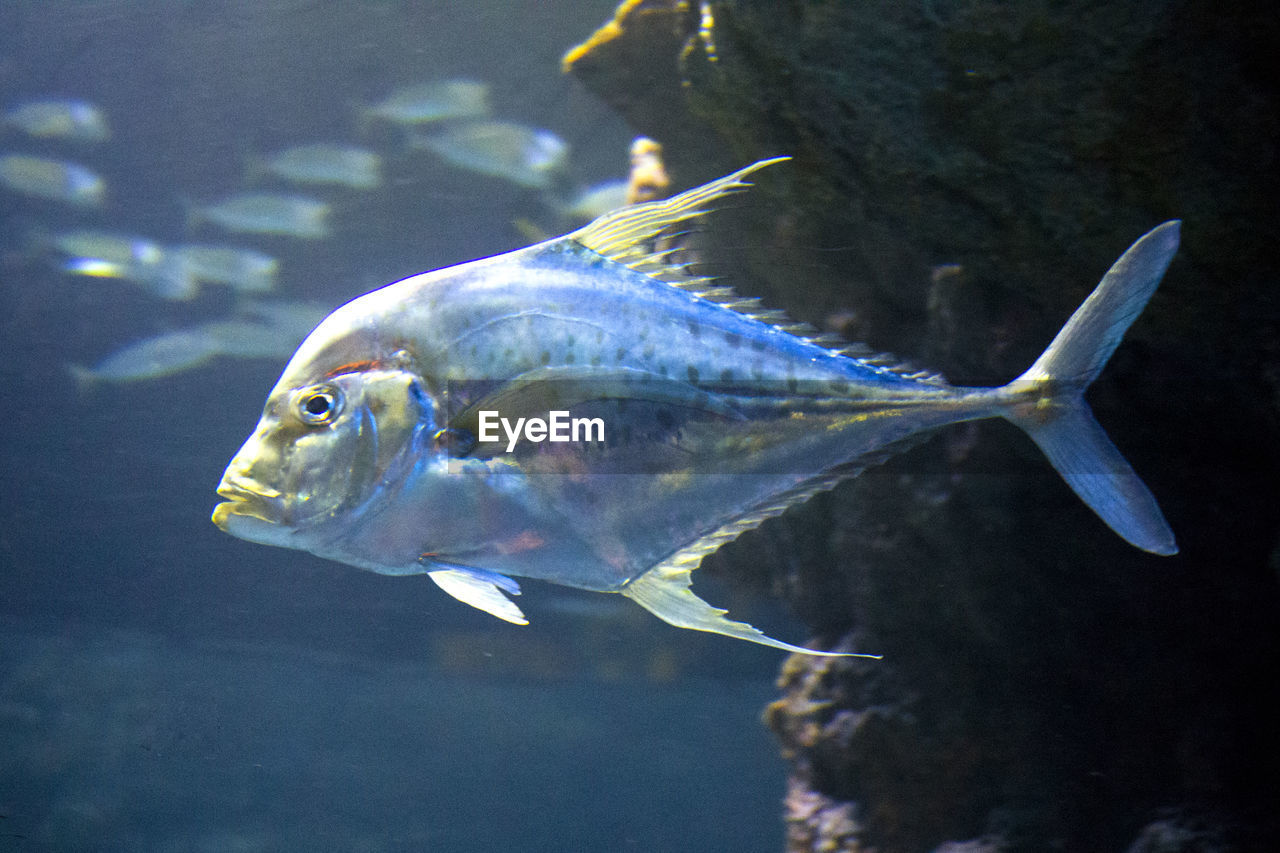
(963, 173)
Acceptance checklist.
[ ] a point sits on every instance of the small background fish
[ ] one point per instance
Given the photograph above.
(327, 163)
(54, 180)
(432, 101)
(75, 121)
(267, 213)
(527, 156)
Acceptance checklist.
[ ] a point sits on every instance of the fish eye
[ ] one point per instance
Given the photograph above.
(318, 406)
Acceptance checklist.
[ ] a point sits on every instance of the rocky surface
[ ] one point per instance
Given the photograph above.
(963, 174)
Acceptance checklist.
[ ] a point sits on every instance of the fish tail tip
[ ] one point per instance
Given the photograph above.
(1162, 545)
(833, 654)
(1169, 234)
(364, 117)
(255, 167)
(83, 377)
(193, 216)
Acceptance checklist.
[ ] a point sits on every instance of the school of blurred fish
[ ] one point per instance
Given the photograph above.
(285, 194)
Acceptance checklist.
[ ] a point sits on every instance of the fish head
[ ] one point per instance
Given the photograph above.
(324, 451)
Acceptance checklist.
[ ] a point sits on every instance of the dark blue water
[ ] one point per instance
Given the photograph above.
(163, 686)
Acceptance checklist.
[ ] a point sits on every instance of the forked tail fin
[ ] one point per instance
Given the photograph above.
(1050, 403)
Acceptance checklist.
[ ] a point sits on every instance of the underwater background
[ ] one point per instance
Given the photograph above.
(164, 686)
(963, 173)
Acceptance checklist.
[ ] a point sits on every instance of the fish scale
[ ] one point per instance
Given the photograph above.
(716, 415)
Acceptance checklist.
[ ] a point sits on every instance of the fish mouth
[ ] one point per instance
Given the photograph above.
(246, 504)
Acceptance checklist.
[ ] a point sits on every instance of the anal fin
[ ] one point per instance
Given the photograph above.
(665, 592)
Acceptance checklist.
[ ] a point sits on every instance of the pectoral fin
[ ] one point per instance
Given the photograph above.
(482, 590)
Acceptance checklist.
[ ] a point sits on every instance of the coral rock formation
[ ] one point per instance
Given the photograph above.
(963, 173)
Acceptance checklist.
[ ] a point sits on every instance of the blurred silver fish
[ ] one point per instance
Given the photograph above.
(52, 118)
(526, 156)
(55, 180)
(267, 213)
(250, 339)
(423, 103)
(105, 254)
(244, 270)
(185, 349)
(124, 250)
(151, 358)
(327, 163)
(267, 329)
(290, 317)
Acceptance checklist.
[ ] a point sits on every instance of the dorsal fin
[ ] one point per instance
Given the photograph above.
(629, 236)
(626, 235)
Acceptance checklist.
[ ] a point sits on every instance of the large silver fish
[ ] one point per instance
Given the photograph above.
(388, 441)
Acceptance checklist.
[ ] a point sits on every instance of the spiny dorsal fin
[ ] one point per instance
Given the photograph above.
(627, 236)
